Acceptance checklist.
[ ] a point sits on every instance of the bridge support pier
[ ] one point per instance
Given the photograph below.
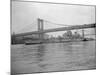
(83, 33)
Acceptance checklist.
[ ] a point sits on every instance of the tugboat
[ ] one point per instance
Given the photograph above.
(88, 39)
(84, 39)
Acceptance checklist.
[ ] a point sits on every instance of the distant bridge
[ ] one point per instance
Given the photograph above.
(58, 29)
(41, 31)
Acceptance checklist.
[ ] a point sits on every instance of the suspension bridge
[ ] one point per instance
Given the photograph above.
(41, 31)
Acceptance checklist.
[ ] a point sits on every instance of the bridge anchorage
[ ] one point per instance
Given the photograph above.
(41, 31)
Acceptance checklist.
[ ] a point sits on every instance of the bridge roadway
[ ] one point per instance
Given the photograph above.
(58, 29)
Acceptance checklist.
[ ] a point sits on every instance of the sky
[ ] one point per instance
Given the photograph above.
(25, 14)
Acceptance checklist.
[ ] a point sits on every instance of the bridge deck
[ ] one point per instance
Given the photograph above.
(58, 29)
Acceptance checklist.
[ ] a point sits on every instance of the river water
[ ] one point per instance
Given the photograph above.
(53, 57)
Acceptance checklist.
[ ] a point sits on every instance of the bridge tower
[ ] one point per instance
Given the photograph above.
(40, 29)
(83, 33)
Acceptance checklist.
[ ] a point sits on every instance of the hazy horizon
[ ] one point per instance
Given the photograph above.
(25, 14)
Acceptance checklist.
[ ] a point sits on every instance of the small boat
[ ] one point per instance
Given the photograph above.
(84, 39)
(87, 39)
(32, 42)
